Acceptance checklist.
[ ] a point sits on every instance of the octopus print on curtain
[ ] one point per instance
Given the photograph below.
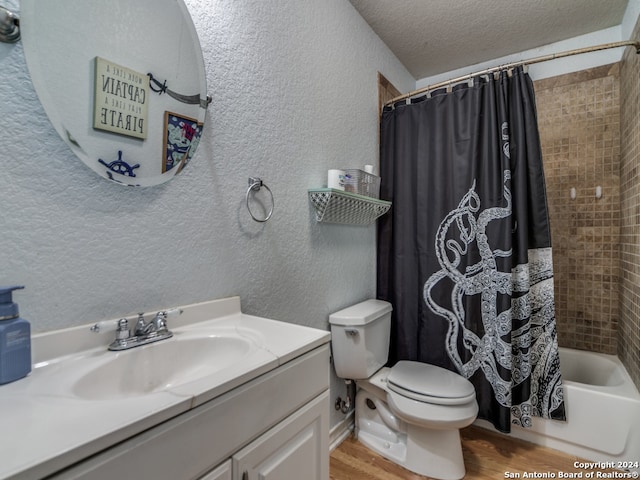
(464, 255)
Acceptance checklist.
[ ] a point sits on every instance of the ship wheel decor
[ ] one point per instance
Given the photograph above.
(120, 166)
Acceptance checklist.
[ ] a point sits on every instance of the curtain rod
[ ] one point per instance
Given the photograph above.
(543, 58)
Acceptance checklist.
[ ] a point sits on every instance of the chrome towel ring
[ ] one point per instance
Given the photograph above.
(255, 184)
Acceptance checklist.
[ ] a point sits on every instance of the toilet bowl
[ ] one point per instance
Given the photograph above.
(410, 413)
(422, 437)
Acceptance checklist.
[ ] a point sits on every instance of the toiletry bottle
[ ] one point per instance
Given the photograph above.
(15, 339)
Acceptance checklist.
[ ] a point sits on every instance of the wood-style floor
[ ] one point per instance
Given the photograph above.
(487, 456)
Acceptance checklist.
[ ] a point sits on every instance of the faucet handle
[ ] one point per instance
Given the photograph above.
(160, 321)
(123, 329)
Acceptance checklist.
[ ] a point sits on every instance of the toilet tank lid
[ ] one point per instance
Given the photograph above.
(361, 313)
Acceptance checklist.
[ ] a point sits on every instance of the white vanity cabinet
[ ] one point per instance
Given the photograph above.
(294, 449)
(275, 426)
(223, 472)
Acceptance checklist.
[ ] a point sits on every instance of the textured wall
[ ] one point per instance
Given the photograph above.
(629, 333)
(579, 122)
(294, 87)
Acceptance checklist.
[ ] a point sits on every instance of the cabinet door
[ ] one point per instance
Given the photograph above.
(297, 448)
(223, 472)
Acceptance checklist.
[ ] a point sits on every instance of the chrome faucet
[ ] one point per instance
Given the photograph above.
(143, 333)
(158, 324)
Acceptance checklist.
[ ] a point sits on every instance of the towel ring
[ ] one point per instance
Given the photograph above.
(255, 184)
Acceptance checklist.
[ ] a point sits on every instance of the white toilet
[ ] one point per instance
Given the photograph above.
(410, 413)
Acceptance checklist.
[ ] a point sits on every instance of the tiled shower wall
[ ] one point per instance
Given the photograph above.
(629, 332)
(579, 122)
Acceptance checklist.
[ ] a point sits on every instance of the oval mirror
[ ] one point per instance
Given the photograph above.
(123, 82)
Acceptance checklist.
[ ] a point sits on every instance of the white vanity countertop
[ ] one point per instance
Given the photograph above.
(46, 426)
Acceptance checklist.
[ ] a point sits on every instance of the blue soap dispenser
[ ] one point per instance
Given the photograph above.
(15, 339)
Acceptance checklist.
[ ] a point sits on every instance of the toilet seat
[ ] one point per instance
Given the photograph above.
(427, 383)
(430, 415)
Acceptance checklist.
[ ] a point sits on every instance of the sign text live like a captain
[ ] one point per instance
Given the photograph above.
(121, 100)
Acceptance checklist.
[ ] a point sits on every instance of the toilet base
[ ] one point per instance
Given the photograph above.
(394, 451)
(445, 462)
(434, 453)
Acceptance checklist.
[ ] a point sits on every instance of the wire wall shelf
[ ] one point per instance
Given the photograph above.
(336, 206)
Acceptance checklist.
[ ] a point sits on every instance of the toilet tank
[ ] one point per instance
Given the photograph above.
(360, 338)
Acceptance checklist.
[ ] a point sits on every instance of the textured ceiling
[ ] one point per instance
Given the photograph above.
(435, 36)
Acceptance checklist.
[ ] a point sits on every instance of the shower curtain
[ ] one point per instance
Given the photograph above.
(464, 255)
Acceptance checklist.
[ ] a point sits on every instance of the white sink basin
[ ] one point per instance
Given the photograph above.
(159, 366)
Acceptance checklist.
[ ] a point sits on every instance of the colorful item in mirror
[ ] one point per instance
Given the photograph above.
(181, 137)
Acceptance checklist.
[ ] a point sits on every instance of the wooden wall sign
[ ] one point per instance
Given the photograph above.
(121, 103)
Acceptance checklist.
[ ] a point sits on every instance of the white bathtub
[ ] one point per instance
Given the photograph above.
(603, 412)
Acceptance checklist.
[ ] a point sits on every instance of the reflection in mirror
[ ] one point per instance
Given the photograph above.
(122, 82)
